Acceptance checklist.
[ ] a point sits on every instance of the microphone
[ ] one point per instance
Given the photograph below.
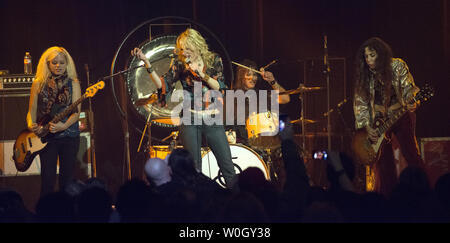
(341, 103)
(338, 107)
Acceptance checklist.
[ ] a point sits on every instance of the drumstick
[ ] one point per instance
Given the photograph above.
(268, 65)
(249, 68)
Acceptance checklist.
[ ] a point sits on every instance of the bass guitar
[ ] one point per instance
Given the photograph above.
(28, 144)
(368, 152)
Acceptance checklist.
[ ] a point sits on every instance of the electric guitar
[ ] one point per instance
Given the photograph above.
(28, 144)
(368, 152)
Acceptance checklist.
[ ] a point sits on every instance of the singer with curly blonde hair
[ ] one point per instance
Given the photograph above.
(196, 66)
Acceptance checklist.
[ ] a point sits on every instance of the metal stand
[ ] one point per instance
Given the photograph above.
(91, 129)
(327, 75)
(270, 164)
(173, 144)
(125, 117)
(147, 124)
(302, 117)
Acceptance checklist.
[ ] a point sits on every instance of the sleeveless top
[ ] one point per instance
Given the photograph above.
(53, 100)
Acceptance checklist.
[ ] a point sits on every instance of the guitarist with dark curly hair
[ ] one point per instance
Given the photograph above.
(384, 86)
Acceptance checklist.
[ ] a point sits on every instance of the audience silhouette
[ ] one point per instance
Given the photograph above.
(175, 192)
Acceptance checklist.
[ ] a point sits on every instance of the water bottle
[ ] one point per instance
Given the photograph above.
(27, 65)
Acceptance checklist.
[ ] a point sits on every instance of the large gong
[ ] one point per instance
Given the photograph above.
(140, 87)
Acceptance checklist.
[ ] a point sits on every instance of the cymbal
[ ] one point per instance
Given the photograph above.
(145, 101)
(300, 90)
(307, 121)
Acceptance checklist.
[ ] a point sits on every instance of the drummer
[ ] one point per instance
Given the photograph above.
(246, 79)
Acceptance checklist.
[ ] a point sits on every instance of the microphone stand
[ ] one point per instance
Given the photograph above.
(121, 72)
(91, 130)
(126, 133)
(327, 75)
(347, 129)
(302, 116)
(338, 108)
(147, 124)
(136, 67)
(125, 120)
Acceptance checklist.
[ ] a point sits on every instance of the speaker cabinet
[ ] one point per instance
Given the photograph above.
(13, 114)
(435, 154)
(7, 167)
(83, 166)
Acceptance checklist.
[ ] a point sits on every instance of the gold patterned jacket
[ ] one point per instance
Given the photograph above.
(404, 87)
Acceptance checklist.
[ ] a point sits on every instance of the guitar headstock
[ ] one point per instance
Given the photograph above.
(425, 93)
(92, 90)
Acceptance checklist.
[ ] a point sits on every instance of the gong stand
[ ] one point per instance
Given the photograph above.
(149, 125)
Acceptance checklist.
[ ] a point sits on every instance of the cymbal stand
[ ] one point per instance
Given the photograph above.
(270, 164)
(327, 71)
(173, 143)
(302, 117)
(347, 129)
(91, 130)
(149, 124)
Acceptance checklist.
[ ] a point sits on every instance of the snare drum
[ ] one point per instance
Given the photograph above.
(242, 156)
(160, 151)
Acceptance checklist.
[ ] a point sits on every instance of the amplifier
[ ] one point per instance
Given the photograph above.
(16, 81)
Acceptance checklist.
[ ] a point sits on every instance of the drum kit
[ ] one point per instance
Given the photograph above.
(263, 152)
(262, 128)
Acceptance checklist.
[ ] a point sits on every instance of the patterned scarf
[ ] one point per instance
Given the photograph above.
(57, 92)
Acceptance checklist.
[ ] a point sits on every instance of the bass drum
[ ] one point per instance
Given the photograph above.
(242, 156)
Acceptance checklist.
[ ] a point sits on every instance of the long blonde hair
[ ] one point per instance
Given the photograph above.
(192, 38)
(43, 73)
